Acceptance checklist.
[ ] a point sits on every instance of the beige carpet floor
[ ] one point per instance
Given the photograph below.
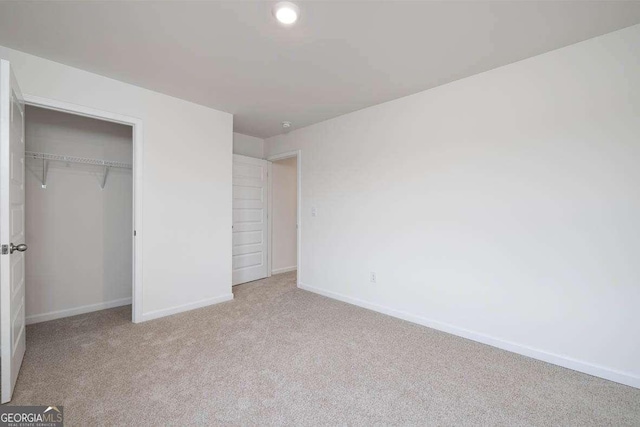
(278, 355)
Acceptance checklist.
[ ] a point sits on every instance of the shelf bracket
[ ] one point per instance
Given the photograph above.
(45, 171)
(104, 177)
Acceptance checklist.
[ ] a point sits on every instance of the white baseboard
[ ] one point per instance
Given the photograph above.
(52, 315)
(556, 359)
(185, 307)
(284, 270)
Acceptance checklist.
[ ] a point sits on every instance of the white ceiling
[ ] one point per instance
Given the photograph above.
(340, 57)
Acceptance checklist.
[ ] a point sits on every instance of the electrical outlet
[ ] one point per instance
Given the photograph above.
(372, 277)
(314, 212)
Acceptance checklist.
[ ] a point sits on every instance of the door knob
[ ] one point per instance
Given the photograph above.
(20, 248)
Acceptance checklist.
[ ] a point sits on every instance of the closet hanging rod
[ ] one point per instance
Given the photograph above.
(73, 159)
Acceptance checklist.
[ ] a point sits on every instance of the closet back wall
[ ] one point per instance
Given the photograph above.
(79, 235)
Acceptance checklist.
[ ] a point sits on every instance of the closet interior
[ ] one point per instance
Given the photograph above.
(78, 214)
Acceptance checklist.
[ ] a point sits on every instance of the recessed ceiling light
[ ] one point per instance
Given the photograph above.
(286, 125)
(286, 12)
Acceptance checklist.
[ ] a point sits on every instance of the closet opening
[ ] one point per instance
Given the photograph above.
(79, 215)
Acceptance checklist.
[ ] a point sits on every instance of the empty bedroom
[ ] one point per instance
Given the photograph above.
(320, 213)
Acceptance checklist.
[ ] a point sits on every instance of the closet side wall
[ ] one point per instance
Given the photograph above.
(80, 236)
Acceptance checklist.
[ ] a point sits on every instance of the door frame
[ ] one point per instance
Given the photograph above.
(287, 155)
(138, 152)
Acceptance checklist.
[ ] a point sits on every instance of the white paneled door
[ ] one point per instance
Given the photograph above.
(250, 202)
(12, 309)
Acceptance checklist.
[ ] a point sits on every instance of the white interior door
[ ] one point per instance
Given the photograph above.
(250, 202)
(12, 309)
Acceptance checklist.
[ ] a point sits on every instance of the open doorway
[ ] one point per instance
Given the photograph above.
(135, 132)
(78, 214)
(285, 182)
(266, 225)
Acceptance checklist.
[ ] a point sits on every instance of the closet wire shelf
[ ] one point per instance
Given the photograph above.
(46, 157)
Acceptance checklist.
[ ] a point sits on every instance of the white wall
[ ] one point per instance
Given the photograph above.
(248, 145)
(79, 235)
(187, 181)
(284, 197)
(503, 207)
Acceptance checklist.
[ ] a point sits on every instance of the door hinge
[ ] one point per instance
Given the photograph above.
(134, 233)
(5, 249)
